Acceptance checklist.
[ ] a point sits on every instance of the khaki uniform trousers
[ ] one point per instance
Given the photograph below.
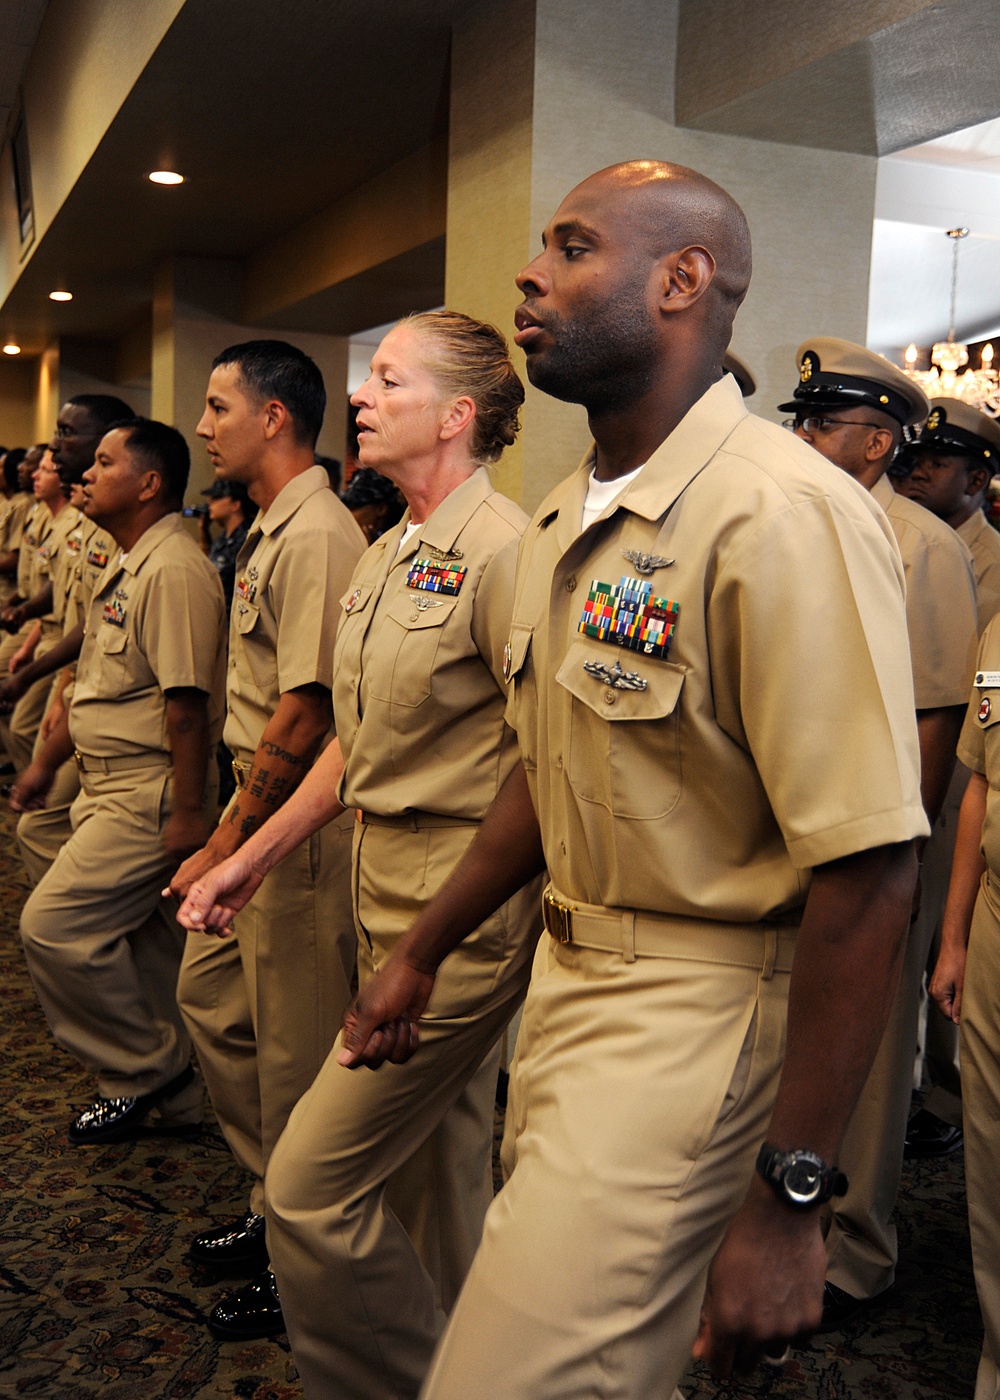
(861, 1241)
(639, 1096)
(980, 1031)
(41, 835)
(19, 729)
(263, 1008)
(103, 950)
(9, 643)
(377, 1191)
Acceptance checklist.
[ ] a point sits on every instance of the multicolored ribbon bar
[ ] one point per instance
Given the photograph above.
(629, 616)
(433, 577)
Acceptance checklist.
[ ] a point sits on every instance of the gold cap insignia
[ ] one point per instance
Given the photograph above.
(934, 420)
(810, 364)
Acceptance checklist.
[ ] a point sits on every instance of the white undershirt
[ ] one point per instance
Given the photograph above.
(600, 494)
(411, 529)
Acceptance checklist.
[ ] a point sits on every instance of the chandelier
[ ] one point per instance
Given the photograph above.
(949, 378)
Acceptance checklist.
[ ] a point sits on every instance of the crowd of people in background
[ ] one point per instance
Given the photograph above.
(316, 788)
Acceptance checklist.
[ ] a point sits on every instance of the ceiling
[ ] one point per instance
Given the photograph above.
(370, 85)
(921, 193)
(20, 21)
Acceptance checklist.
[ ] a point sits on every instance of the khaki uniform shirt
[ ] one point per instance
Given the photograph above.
(418, 692)
(704, 775)
(155, 624)
(93, 551)
(979, 741)
(60, 553)
(290, 575)
(12, 521)
(940, 600)
(36, 529)
(983, 543)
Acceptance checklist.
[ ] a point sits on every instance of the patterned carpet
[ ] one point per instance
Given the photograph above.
(96, 1297)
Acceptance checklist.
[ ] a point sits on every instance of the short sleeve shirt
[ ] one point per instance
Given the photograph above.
(12, 521)
(983, 543)
(291, 574)
(97, 550)
(979, 741)
(941, 614)
(155, 624)
(61, 552)
(36, 529)
(419, 692)
(711, 684)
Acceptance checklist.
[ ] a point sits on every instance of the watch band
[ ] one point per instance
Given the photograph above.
(800, 1178)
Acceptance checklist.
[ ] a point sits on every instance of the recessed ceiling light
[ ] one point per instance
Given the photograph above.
(166, 177)
(11, 349)
(60, 296)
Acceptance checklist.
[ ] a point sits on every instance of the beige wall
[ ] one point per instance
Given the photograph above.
(46, 389)
(17, 402)
(489, 175)
(88, 55)
(603, 92)
(186, 338)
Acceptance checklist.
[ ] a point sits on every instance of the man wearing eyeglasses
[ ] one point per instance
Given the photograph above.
(852, 406)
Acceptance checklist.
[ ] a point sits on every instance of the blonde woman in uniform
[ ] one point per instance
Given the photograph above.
(377, 1189)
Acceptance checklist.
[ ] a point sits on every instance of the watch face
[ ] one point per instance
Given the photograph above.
(802, 1181)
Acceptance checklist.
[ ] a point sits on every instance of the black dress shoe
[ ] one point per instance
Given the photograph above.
(927, 1135)
(121, 1120)
(238, 1247)
(253, 1311)
(840, 1308)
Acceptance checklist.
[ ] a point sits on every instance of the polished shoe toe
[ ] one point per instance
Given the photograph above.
(123, 1119)
(239, 1246)
(252, 1311)
(927, 1135)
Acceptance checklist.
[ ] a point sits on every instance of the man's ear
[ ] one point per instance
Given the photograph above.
(276, 415)
(878, 444)
(151, 485)
(685, 277)
(978, 480)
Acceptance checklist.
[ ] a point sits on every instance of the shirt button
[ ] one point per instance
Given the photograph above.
(570, 583)
(610, 697)
(559, 760)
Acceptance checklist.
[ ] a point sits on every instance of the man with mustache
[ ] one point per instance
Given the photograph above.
(691, 740)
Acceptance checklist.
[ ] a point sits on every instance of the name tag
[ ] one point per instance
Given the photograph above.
(436, 578)
(987, 680)
(630, 616)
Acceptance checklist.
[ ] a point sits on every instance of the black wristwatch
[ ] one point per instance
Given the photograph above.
(799, 1178)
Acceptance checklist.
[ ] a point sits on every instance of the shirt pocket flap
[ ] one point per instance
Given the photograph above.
(115, 639)
(247, 615)
(416, 610)
(356, 599)
(518, 646)
(987, 686)
(619, 684)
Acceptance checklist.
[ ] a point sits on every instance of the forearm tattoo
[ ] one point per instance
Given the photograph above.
(267, 787)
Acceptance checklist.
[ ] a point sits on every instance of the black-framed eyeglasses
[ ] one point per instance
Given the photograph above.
(813, 424)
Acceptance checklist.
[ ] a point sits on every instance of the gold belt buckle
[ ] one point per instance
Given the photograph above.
(238, 773)
(558, 918)
(78, 756)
